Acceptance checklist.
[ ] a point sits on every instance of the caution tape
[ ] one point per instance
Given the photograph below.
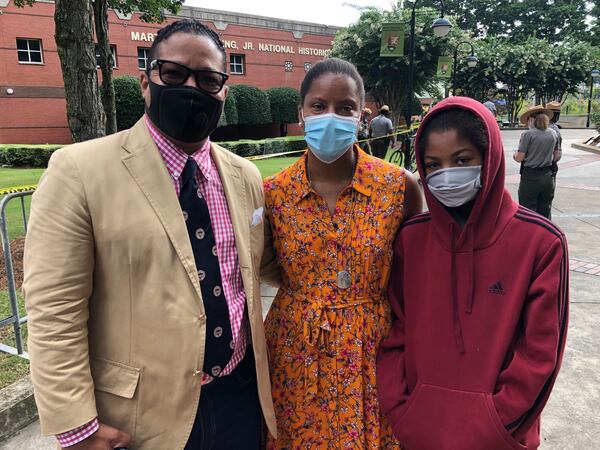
(15, 189)
(33, 187)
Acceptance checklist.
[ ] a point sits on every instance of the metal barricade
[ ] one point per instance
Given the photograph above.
(14, 319)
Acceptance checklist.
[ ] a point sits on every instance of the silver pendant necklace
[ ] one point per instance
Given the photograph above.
(344, 279)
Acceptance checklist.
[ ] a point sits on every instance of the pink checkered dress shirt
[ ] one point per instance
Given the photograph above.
(211, 188)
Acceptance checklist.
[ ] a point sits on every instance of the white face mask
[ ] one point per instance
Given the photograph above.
(455, 186)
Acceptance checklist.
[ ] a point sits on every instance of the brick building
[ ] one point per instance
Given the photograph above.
(262, 52)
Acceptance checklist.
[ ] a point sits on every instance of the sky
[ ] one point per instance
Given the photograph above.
(328, 12)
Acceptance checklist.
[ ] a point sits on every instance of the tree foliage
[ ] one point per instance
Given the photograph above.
(386, 78)
(284, 104)
(252, 104)
(551, 20)
(549, 71)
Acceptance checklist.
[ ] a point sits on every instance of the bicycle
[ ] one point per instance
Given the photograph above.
(399, 155)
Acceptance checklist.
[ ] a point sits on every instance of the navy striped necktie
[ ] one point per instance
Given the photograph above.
(219, 338)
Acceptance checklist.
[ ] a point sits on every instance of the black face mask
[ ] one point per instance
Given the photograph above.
(184, 113)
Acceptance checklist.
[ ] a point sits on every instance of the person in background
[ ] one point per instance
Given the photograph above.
(333, 216)
(141, 273)
(538, 149)
(555, 108)
(363, 130)
(491, 106)
(480, 295)
(380, 129)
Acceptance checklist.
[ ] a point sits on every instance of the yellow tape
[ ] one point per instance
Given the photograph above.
(12, 190)
(32, 187)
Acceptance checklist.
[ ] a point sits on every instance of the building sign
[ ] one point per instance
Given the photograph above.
(267, 47)
(143, 37)
(392, 39)
(444, 67)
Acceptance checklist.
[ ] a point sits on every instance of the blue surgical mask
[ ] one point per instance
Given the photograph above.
(329, 136)
(455, 186)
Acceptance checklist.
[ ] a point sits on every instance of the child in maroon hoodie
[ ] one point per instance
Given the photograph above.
(479, 289)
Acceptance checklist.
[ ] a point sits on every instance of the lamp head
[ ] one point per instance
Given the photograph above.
(441, 27)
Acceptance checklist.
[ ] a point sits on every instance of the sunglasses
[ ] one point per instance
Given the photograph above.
(175, 74)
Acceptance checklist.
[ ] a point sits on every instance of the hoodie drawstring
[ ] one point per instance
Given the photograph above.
(458, 335)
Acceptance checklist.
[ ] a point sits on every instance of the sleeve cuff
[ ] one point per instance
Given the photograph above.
(78, 434)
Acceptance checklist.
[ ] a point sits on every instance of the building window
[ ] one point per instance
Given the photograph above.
(237, 64)
(143, 54)
(29, 51)
(113, 50)
(288, 66)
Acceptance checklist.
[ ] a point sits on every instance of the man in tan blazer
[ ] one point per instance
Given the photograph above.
(140, 335)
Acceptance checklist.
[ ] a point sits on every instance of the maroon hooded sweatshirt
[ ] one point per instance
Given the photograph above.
(480, 317)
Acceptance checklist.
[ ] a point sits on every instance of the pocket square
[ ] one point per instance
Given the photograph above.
(257, 216)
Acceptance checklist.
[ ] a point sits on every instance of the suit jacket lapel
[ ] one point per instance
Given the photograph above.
(146, 166)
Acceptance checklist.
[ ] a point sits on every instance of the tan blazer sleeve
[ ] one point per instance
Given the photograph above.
(270, 271)
(58, 267)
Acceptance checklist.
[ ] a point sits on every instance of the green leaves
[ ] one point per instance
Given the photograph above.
(284, 104)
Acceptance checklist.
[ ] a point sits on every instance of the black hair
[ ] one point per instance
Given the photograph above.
(468, 126)
(336, 66)
(189, 26)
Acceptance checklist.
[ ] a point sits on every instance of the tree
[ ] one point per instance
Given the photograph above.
(549, 71)
(569, 67)
(75, 22)
(551, 20)
(252, 105)
(385, 78)
(480, 81)
(73, 36)
(284, 106)
(151, 11)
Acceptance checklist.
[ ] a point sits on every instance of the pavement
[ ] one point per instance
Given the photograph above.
(571, 420)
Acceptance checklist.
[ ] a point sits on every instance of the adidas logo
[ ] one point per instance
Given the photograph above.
(496, 288)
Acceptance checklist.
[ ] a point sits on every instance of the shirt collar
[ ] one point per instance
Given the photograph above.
(361, 182)
(175, 158)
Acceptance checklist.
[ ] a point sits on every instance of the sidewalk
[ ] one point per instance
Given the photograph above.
(572, 419)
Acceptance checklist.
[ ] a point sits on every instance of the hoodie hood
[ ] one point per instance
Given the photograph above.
(492, 210)
(493, 206)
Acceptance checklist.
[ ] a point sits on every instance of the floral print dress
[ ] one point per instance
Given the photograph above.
(322, 338)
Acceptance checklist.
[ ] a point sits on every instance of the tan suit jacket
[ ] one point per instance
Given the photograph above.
(116, 320)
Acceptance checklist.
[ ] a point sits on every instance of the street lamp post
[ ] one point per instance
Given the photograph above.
(595, 73)
(441, 27)
(471, 62)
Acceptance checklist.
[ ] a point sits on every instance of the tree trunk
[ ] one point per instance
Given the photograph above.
(74, 39)
(106, 64)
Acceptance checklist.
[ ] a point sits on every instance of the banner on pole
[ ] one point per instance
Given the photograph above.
(392, 39)
(444, 67)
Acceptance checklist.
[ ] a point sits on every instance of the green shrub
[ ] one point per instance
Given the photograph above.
(129, 102)
(284, 104)
(26, 155)
(247, 148)
(252, 105)
(595, 119)
(230, 111)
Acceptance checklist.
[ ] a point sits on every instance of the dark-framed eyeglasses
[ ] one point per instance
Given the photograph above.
(175, 74)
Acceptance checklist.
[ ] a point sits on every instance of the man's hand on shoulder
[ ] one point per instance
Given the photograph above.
(106, 438)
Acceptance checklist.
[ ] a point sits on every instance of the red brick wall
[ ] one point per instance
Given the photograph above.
(43, 120)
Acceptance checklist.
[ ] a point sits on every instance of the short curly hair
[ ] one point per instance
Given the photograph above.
(189, 26)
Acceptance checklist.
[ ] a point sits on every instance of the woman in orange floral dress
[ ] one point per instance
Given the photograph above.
(333, 216)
